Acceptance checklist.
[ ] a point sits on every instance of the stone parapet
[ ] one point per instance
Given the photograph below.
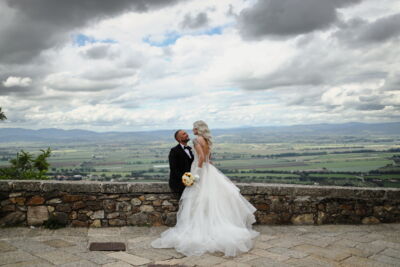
(101, 204)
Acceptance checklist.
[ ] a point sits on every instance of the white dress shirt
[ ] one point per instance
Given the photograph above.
(186, 150)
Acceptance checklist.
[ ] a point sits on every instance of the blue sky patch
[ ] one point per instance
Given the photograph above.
(212, 31)
(169, 39)
(82, 40)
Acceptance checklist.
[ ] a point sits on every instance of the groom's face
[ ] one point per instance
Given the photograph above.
(183, 137)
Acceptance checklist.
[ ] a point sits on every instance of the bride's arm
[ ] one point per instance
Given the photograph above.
(199, 150)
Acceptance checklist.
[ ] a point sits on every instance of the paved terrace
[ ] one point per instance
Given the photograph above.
(323, 245)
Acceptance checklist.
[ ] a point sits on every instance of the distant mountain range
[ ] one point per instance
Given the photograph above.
(53, 135)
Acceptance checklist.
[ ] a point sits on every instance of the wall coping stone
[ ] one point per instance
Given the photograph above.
(162, 187)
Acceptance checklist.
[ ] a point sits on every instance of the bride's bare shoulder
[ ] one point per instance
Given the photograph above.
(201, 140)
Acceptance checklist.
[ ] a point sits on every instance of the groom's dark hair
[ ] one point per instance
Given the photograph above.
(176, 134)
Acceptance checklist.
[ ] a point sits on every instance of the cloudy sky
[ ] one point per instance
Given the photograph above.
(131, 65)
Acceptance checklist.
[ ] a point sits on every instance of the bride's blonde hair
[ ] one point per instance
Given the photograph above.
(203, 130)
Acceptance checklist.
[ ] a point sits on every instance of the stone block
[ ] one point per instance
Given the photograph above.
(96, 223)
(78, 205)
(93, 205)
(71, 186)
(165, 203)
(303, 219)
(116, 222)
(321, 217)
(73, 215)
(83, 217)
(37, 215)
(392, 194)
(112, 215)
(5, 185)
(63, 207)
(109, 196)
(18, 200)
(72, 198)
(114, 188)
(15, 194)
(370, 220)
(136, 202)
(140, 218)
(150, 197)
(77, 223)
(50, 208)
(7, 207)
(13, 218)
(123, 206)
(270, 218)
(123, 199)
(157, 203)
(370, 193)
(54, 201)
(26, 186)
(170, 219)
(146, 208)
(99, 214)
(262, 206)
(35, 200)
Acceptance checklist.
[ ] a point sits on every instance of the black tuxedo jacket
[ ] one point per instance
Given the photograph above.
(179, 163)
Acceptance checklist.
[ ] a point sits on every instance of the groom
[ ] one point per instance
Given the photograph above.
(180, 159)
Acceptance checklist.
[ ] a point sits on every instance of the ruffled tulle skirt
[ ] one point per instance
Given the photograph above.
(212, 216)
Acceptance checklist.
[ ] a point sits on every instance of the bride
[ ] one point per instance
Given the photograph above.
(213, 215)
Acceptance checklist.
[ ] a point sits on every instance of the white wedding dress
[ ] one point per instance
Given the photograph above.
(212, 216)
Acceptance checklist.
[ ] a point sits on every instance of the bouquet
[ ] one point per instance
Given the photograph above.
(188, 179)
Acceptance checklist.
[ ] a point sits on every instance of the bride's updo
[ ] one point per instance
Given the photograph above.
(203, 130)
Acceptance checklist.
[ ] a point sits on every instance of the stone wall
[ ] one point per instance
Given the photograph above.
(98, 204)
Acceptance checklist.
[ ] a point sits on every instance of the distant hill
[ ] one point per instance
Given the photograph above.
(246, 134)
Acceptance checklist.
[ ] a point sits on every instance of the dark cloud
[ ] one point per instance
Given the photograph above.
(368, 106)
(358, 31)
(32, 26)
(310, 68)
(392, 83)
(382, 29)
(13, 90)
(109, 73)
(195, 22)
(99, 51)
(289, 17)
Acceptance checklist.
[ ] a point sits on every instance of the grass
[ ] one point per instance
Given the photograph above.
(124, 158)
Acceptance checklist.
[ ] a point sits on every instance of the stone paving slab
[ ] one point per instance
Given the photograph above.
(16, 256)
(58, 257)
(325, 245)
(4, 247)
(129, 258)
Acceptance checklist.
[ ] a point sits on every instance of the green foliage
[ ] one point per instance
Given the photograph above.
(2, 116)
(26, 167)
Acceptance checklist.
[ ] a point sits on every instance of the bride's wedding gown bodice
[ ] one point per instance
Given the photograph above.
(212, 216)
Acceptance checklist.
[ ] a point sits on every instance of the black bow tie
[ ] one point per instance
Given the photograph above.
(187, 147)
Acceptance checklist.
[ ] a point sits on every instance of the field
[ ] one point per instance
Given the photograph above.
(368, 162)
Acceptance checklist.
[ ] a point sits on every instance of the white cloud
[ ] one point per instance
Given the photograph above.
(145, 71)
(13, 81)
